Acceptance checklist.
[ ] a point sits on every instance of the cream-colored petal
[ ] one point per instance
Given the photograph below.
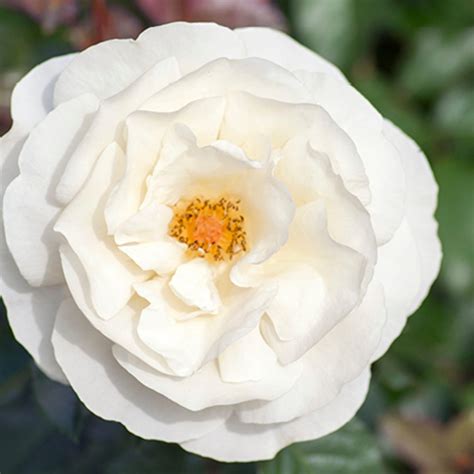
(29, 208)
(421, 200)
(410, 261)
(188, 345)
(363, 124)
(222, 76)
(111, 393)
(122, 328)
(193, 44)
(247, 117)
(342, 355)
(283, 50)
(111, 274)
(30, 311)
(249, 359)
(153, 141)
(147, 225)
(193, 283)
(235, 441)
(398, 269)
(205, 388)
(319, 282)
(162, 256)
(157, 290)
(111, 66)
(308, 175)
(107, 124)
(32, 97)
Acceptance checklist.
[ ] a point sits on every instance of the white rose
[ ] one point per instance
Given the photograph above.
(210, 235)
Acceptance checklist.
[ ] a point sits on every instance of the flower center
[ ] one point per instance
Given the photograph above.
(211, 228)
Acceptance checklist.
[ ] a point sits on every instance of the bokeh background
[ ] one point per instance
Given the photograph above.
(414, 60)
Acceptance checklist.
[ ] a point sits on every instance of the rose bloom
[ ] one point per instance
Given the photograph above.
(210, 235)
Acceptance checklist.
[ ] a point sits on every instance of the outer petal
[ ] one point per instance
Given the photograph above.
(29, 205)
(342, 355)
(107, 390)
(239, 442)
(111, 66)
(422, 192)
(206, 388)
(31, 312)
(32, 97)
(363, 124)
(284, 51)
(398, 270)
(410, 262)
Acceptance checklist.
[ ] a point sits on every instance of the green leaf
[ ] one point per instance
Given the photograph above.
(351, 450)
(22, 431)
(14, 362)
(59, 403)
(454, 112)
(17, 34)
(438, 59)
(327, 26)
(152, 457)
(456, 224)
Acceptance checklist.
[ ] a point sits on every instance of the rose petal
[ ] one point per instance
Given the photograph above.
(109, 67)
(107, 390)
(189, 345)
(122, 328)
(32, 97)
(205, 388)
(355, 115)
(239, 442)
(315, 295)
(398, 269)
(111, 274)
(248, 117)
(105, 127)
(29, 206)
(147, 225)
(283, 50)
(153, 140)
(422, 192)
(157, 290)
(193, 283)
(342, 355)
(163, 256)
(308, 175)
(223, 76)
(31, 311)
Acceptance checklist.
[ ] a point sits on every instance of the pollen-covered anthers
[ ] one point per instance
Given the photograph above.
(211, 228)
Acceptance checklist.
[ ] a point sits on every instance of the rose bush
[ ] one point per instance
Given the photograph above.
(210, 235)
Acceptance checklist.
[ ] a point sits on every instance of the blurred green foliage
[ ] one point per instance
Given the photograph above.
(414, 60)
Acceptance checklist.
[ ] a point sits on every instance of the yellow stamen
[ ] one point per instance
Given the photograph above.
(211, 228)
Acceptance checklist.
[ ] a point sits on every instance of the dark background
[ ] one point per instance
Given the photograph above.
(414, 60)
